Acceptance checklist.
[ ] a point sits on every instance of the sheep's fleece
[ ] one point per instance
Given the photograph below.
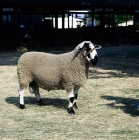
(68, 71)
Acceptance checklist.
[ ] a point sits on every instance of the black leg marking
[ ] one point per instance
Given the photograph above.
(71, 111)
(75, 105)
(22, 106)
(71, 99)
(40, 102)
(76, 95)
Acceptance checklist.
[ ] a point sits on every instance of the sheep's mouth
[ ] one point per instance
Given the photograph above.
(95, 60)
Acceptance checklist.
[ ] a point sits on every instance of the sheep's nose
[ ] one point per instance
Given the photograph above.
(94, 61)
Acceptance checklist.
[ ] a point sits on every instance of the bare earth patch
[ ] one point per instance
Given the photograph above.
(107, 103)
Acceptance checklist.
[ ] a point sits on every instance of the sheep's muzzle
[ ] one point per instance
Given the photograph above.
(95, 60)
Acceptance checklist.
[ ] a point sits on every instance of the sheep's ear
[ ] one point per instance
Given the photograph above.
(81, 46)
(97, 47)
(80, 49)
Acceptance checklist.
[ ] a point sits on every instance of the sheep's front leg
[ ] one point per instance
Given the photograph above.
(75, 95)
(71, 101)
(21, 95)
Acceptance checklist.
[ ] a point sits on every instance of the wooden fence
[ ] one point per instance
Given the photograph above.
(11, 39)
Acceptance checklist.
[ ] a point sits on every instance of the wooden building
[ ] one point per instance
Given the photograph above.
(50, 24)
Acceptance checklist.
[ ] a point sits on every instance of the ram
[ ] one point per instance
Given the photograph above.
(68, 71)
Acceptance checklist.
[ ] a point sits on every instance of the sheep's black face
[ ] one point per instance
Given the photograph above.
(91, 53)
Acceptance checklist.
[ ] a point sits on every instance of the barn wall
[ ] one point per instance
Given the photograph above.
(49, 26)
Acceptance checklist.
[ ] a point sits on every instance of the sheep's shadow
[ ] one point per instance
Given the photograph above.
(56, 102)
(127, 105)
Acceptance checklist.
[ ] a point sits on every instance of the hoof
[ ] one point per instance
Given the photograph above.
(75, 105)
(22, 106)
(71, 111)
(40, 102)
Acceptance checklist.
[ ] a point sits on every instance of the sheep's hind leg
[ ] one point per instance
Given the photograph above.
(34, 89)
(39, 100)
(21, 96)
(71, 101)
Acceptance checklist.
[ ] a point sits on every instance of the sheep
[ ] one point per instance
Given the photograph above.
(68, 71)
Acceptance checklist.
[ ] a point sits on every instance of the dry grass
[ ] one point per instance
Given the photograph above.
(107, 103)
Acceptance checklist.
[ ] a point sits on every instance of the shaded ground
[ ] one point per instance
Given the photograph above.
(117, 62)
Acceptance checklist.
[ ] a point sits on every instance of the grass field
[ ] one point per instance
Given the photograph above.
(107, 103)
